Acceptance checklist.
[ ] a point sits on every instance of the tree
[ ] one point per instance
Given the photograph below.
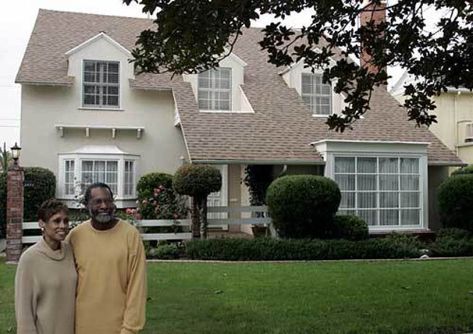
(195, 35)
(5, 157)
(197, 181)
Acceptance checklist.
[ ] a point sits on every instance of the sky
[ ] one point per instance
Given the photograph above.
(17, 19)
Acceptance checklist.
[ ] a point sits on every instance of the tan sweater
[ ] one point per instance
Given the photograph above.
(111, 291)
(45, 289)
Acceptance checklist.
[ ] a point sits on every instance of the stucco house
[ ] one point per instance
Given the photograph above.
(87, 117)
(454, 115)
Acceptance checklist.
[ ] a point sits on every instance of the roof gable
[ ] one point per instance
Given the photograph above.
(100, 36)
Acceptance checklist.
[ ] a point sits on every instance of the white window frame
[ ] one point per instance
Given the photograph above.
(314, 108)
(100, 84)
(78, 158)
(378, 191)
(214, 90)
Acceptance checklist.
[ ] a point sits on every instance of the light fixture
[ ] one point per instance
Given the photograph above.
(15, 153)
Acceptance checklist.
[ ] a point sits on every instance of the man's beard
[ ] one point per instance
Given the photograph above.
(101, 217)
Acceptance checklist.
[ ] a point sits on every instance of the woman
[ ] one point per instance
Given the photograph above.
(45, 282)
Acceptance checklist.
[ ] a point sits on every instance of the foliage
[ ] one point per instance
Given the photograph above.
(197, 181)
(157, 198)
(451, 246)
(166, 252)
(303, 206)
(349, 227)
(39, 185)
(257, 179)
(3, 205)
(5, 158)
(195, 35)
(301, 249)
(453, 232)
(464, 170)
(455, 202)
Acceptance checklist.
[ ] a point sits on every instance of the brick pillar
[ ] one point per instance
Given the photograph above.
(14, 212)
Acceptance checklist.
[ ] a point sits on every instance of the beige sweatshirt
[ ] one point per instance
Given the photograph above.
(111, 291)
(45, 289)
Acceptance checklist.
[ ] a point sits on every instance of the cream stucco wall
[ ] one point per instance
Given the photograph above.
(160, 147)
(454, 111)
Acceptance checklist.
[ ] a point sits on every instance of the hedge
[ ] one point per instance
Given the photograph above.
(3, 204)
(300, 249)
(40, 185)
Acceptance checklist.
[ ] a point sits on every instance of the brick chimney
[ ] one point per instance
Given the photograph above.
(377, 14)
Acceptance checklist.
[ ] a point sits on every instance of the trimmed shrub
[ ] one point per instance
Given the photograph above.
(167, 252)
(453, 232)
(450, 246)
(300, 249)
(3, 204)
(349, 227)
(40, 185)
(157, 198)
(463, 170)
(455, 202)
(197, 180)
(303, 206)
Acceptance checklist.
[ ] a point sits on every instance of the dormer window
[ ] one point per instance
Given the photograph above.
(101, 84)
(215, 89)
(316, 94)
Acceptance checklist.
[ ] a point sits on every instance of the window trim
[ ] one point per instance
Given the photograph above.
(230, 91)
(78, 158)
(84, 106)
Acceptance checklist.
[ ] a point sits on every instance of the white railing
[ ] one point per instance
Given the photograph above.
(142, 225)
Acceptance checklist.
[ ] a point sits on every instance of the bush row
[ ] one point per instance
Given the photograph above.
(392, 247)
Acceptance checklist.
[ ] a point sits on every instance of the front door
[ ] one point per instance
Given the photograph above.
(219, 198)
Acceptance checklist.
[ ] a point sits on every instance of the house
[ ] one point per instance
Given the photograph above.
(454, 115)
(87, 117)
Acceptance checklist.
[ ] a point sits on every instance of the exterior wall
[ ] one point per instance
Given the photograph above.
(160, 148)
(454, 110)
(437, 174)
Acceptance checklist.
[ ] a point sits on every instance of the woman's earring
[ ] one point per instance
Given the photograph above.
(42, 229)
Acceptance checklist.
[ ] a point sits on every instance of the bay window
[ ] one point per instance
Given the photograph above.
(384, 191)
(77, 171)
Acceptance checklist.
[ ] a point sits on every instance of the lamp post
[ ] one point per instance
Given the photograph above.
(15, 152)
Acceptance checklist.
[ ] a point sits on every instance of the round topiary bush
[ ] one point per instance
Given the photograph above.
(157, 198)
(455, 202)
(39, 185)
(464, 170)
(303, 206)
(197, 180)
(349, 227)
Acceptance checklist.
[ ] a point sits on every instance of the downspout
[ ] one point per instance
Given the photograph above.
(284, 170)
(456, 121)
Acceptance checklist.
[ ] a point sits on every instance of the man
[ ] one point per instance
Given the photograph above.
(111, 267)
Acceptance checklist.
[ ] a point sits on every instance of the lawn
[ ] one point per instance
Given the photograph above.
(303, 297)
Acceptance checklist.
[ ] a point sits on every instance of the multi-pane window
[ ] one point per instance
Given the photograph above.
(69, 177)
(100, 171)
(215, 89)
(384, 191)
(101, 83)
(316, 94)
(128, 181)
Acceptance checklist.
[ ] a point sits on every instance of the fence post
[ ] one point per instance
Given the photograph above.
(15, 178)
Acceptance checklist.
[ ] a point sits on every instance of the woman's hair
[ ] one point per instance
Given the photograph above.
(49, 208)
(88, 191)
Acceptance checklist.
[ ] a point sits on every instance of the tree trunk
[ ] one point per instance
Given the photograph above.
(195, 217)
(203, 215)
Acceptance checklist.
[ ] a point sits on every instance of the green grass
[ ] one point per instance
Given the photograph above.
(313, 297)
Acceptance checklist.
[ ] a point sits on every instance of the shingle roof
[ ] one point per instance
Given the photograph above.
(281, 127)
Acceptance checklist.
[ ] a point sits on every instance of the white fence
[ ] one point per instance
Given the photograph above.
(258, 216)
